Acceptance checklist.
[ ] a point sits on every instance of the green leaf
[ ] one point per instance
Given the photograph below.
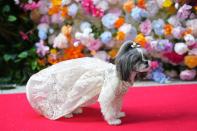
(23, 55)
(34, 65)
(11, 18)
(17, 60)
(6, 8)
(8, 57)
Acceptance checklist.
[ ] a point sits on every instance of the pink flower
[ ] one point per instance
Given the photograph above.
(97, 12)
(45, 19)
(184, 11)
(154, 64)
(188, 75)
(41, 49)
(90, 8)
(87, 5)
(31, 6)
(94, 45)
(23, 35)
(145, 27)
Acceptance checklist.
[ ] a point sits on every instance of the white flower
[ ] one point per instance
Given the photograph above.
(95, 2)
(66, 2)
(103, 5)
(192, 24)
(57, 19)
(51, 39)
(126, 28)
(176, 5)
(108, 20)
(180, 48)
(87, 31)
(85, 25)
(72, 10)
(173, 20)
(152, 7)
(190, 40)
(51, 30)
(17, 2)
(160, 3)
(78, 35)
(86, 34)
(60, 42)
(43, 26)
(177, 32)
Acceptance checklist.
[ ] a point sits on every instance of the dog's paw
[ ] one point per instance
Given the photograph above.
(78, 111)
(121, 114)
(69, 115)
(114, 122)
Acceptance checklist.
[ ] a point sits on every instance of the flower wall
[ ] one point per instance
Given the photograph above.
(68, 29)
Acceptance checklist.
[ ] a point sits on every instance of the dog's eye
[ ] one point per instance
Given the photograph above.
(147, 57)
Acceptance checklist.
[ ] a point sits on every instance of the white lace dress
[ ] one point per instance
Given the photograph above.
(60, 89)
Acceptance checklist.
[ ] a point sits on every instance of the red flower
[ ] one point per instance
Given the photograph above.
(23, 35)
(174, 57)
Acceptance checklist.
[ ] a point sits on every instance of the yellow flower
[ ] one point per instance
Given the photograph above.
(140, 39)
(128, 6)
(195, 7)
(190, 61)
(56, 2)
(93, 52)
(66, 30)
(119, 22)
(113, 53)
(167, 3)
(64, 11)
(53, 51)
(186, 31)
(120, 35)
(141, 3)
(41, 61)
(73, 52)
(53, 10)
(168, 29)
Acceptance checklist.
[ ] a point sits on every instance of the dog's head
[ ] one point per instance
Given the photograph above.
(131, 58)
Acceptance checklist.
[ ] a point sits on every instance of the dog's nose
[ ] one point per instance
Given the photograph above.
(146, 63)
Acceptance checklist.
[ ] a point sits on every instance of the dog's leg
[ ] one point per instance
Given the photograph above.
(110, 109)
(109, 113)
(118, 106)
(121, 114)
(107, 97)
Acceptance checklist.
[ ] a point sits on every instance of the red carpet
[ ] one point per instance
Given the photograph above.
(166, 108)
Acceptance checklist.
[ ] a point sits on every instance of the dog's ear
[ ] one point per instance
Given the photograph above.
(126, 46)
(124, 60)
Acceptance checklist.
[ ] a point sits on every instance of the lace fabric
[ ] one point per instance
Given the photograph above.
(60, 89)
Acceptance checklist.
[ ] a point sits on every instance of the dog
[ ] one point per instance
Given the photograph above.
(63, 89)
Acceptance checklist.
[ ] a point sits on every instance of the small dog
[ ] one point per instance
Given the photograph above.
(64, 88)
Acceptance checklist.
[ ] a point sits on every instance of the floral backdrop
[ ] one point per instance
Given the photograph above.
(51, 31)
